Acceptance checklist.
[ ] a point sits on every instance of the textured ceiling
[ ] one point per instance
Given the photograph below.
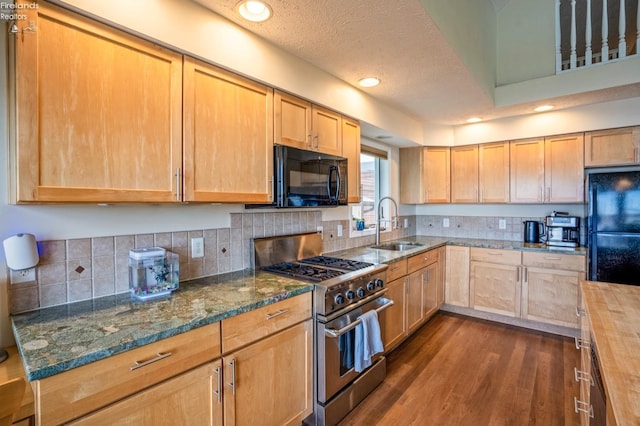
(396, 41)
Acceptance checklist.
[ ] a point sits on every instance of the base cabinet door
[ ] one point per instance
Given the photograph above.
(394, 326)
(415, 284)
(431, 277)
(270, 382)
(190, 398)
(456, 286)
(495, 288)
(550, 296)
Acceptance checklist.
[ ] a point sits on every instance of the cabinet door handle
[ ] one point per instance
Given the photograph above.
(525, 273)
(310, 136)
(178, 195)
(582, 407)
(317, 138)
(232, 385)
(581, 344)
(277, 314)
(218, 391)
(548, 193)
(158, 357)
(270, 195)
(580, 375)
(518, 275)
(580, 312)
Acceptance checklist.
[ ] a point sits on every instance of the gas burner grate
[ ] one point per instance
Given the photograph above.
(301, 271)
(334, 262)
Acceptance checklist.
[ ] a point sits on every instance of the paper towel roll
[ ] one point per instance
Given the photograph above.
(21, 251)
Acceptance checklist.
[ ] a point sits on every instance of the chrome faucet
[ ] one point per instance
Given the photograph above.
(380, 216)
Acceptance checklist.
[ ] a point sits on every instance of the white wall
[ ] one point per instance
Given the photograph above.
(525, 40)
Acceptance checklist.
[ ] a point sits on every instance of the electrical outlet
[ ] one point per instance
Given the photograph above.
(339, 231)
(197, 247)
(445, 222)
(502, 224)
(24, 276)
(406, 223)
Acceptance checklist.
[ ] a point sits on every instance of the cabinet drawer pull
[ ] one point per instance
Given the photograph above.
(551, 258)
(277, 314)
(582, 407)
(493, 253)
(581, 344)
(158, 357)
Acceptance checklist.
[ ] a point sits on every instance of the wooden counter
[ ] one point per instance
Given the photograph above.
(613, 311)
(10, 369)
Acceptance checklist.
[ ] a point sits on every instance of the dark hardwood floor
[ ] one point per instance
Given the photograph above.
(458, 370)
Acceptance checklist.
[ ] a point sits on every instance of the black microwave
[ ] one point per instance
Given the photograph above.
(307, 179)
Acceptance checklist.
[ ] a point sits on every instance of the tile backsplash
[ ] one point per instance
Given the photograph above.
(88, 268)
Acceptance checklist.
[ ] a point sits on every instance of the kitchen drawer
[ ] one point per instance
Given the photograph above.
(254, 325)
(422, 260)
(397, 270)
(568, 262)
(503, 257)
(78, 391)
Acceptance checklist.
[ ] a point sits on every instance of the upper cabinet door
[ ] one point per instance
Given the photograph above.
(228, 136)
(98, 113)
(564, 169)
(613, 147)
(493, 170)
(292, 118)
(527, 171)
(327, 131)
(351, 151)
(464, 174)
(436, 173)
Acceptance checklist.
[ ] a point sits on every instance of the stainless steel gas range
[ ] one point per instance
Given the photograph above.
(343, 290)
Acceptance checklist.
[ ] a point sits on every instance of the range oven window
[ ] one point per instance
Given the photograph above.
(347, 350)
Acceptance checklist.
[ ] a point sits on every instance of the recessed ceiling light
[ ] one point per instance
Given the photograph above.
(369, 82)
(474, 120)
(543, 108)
(255, 11)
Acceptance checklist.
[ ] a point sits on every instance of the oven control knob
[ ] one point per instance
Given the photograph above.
(361, 292)
(379, 283)
(339, 299)
(351, 295)
(371, 286)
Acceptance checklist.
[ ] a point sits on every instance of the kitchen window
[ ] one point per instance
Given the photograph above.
(374, 180)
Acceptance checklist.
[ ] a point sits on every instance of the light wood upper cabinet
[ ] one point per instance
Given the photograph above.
(425, 175)
(548, 170)
(292, 121)
(303, 125)
(98, 113)
(612, 147)
(228, 136)
(564, 169)
(464, 174)
(351, 151)
(493, 172)
(527, 171)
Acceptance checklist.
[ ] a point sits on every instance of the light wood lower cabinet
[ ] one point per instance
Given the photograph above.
(495, 287)
(456, 286)
(189, 398)
(394, 324)
(415, 284)
(270, 382)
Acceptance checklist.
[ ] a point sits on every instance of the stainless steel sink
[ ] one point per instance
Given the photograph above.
(398, 246)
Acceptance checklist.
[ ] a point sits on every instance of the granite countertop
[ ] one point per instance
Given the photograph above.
(53, 340)
(56, 339)
(369, 254)
(613, 312)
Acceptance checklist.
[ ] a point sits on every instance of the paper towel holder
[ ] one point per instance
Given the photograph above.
(21, 252)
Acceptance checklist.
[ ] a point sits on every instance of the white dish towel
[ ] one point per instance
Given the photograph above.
(367, 340)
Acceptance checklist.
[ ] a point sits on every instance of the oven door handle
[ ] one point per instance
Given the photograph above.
(332, 332)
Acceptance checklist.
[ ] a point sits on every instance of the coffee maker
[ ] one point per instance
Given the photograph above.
(562, 230)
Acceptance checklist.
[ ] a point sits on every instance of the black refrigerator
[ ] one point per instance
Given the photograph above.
(614, 227)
